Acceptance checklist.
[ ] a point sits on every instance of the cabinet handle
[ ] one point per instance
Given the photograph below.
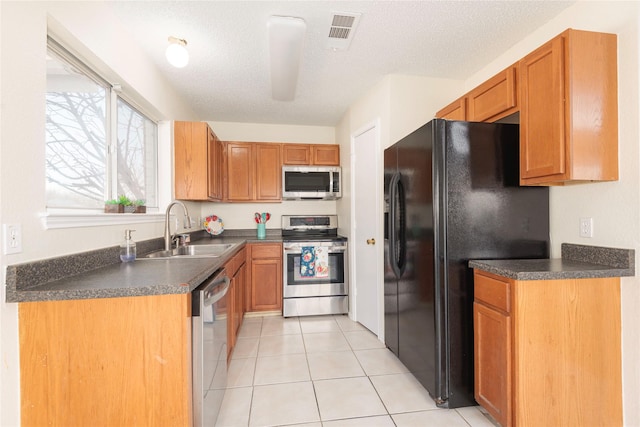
(371, 241)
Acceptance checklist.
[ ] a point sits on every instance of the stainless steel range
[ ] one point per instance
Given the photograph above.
(315, 266)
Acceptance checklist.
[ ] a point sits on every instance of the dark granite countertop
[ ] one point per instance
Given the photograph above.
(99, 274)
(576, 262)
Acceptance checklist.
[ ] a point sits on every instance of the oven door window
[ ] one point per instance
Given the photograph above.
(336, 271)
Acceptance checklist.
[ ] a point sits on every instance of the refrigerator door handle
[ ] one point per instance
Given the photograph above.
(397, 225)
(401, 236)
(392, 224)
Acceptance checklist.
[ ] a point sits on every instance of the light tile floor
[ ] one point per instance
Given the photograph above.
(326, 371)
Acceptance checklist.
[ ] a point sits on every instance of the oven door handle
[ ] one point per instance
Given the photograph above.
(331, 250)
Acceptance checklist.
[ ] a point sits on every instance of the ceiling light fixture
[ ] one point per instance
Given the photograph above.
(177, 53)
(286, 40)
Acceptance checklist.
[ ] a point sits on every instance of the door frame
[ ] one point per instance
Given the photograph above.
(379, 232)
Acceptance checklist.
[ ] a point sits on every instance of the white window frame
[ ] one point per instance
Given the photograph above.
(55, 218)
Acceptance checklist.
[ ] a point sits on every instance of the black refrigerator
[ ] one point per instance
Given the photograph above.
(451, 194)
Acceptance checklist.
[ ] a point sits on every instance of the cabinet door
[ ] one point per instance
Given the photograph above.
(296, 154)
(190, 159)
(240, 171)
(492, 359)
(215, 166)
(542, 112)
(493, 99)
(90, 361)
(264, 277)
(268, 172)
(266, 284)
(457, 110)
(325, 155)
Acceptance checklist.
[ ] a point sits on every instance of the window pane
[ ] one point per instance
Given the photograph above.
(76, 149)
(136, 157)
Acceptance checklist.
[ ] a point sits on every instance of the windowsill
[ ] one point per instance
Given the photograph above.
(75, 220)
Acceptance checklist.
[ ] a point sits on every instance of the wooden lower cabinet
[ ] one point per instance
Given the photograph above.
(265, 277)
(492, 348)
(236, 270)
(109, 362)
(548, 352)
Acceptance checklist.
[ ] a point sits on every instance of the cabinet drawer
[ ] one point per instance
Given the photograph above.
(236, 261)
(240, 257)
(492, 291)
(231, 267)
(266, 250)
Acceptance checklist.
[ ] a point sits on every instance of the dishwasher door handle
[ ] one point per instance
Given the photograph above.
(214, 295)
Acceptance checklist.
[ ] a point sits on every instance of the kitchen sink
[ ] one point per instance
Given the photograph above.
(191, 251)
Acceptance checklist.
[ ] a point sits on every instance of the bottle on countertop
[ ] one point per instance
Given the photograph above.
(128, 248)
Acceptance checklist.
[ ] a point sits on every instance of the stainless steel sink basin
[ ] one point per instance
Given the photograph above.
(192, 251)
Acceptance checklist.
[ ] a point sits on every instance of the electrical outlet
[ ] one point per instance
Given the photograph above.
(586, 227)
(12, 238)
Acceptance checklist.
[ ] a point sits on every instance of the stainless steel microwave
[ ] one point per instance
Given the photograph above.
(311, 182)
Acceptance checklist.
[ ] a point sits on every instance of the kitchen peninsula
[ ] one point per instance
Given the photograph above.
(548, 338)
(117, 332)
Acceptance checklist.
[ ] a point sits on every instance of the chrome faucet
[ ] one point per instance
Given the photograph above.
(167, 227)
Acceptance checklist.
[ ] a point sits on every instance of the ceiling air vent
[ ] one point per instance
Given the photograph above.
(343, 27)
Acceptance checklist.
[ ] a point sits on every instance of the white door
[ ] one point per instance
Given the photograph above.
(366, 238)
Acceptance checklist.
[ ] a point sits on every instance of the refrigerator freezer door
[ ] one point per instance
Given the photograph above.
(416, 298)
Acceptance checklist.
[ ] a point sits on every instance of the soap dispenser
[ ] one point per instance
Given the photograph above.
(128, 248)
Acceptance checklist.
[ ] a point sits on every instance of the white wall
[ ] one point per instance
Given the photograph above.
(23, 31)
(614, 206)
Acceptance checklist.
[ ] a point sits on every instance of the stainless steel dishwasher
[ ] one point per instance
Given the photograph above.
(209, 345)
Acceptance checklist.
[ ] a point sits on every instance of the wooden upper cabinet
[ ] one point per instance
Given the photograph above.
(296, 154)
(253, 172)
(325, 155)
(197, 167)
(457, 110)
(215, 172)
(240, 171)
(493, 99)
(311, 154)
(569, 110)
(268, 172)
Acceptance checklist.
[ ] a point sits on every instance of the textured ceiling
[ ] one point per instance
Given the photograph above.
(227, 78)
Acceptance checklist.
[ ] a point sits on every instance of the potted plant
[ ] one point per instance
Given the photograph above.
(113, 206)
(127, 203)
(140, 206)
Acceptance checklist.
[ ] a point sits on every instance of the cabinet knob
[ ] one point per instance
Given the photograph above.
(371, 241)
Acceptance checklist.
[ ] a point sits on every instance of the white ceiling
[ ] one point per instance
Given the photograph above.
(227, 78)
